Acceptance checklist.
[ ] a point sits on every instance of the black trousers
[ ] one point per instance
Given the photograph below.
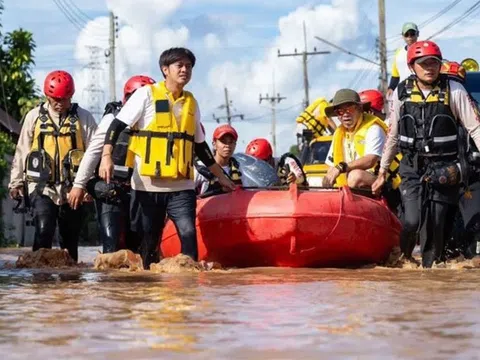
(46, 215)
(148, 211)
(114, 226)
(431, 206)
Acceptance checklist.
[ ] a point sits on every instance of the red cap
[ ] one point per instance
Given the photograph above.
(224, 130)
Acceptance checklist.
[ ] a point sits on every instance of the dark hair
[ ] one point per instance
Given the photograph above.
(173, 55)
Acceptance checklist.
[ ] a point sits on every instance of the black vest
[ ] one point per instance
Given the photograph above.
(233, 173)
(428, 128)
(121, 172)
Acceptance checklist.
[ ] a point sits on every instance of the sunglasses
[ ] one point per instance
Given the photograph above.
(346, 110)
(410, 33)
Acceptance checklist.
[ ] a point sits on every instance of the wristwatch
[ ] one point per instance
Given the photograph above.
(342, 167)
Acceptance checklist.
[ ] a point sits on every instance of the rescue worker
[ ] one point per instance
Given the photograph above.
(224, 143)
(112, 200)
(400, 68)
(314, 122)
(377, 103)
(288, 167)
(357, 143)
(428, 116)
(52, 141)
(167, 132)
(466, 231)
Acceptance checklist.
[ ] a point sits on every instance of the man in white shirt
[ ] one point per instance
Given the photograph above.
(357, 143)
(112, 204)
(400, 69)
(167, 132)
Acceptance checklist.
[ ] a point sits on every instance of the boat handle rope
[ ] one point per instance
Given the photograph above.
(340, 214)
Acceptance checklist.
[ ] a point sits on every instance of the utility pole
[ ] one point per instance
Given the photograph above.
(304, 54)
(111, 54)
(273, 101)
(229, 116)
(382, 47)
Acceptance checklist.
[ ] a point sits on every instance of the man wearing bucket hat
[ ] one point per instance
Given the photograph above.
(400, 70)
(357, 143)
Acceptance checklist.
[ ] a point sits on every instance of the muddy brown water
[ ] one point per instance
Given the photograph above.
(262, 313)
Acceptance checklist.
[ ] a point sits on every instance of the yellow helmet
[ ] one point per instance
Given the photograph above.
(470, 64)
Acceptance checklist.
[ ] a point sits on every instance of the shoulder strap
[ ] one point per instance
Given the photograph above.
(73, 115)
(43, 118)
(402, 91)
(444, 89)
(234, 162)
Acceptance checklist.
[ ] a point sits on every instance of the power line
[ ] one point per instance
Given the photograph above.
(346, 51)
(72, 18)
(440, 13)
(462, 17)
(80, 11)
(430, 19)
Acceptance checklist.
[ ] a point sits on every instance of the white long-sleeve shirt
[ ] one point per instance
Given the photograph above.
(93, 154)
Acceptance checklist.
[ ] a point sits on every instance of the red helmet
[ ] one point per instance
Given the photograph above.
(374, 97)
(423, 49)
(260, 148)
(59, 84)
(224, 130)
(134, 83)
(454, 69)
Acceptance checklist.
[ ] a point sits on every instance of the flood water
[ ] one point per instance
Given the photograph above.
(263, 313)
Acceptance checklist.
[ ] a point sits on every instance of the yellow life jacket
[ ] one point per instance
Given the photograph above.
(165, 146)
(318, 125)
(56, 151)
(358, 140)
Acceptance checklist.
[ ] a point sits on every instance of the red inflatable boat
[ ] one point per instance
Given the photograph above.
(293, 228)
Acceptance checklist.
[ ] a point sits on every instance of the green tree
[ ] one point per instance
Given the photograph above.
(16, 60)
(18, 90)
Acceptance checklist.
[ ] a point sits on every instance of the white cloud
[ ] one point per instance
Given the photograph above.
(211, 41)
(141, 41)
(246, 79)
(357, 64)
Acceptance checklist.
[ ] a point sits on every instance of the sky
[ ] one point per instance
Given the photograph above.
(236, 43)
